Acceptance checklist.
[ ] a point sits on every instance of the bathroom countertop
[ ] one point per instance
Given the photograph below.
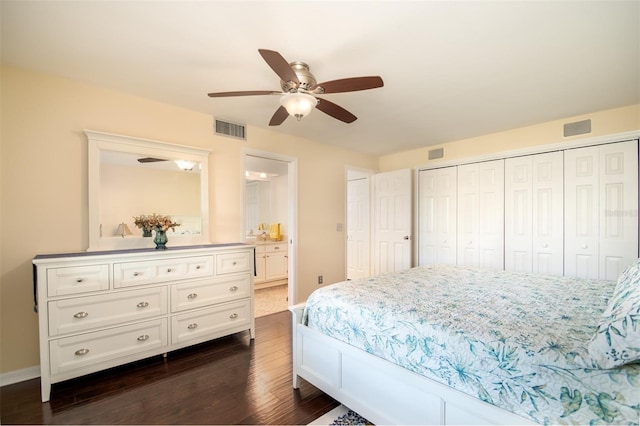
(260, 241)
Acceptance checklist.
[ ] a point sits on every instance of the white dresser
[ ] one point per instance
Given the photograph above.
(102, 309)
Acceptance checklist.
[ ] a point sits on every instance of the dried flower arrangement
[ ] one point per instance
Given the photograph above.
(154, 221)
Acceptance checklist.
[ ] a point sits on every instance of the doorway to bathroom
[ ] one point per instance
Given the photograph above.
(270, 222)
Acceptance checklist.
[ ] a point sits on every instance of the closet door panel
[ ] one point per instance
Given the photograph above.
(618, 207)
(547, 208)
(447, 213)
(468, 215)
(601, 209)
(491, 236)
(426, 217)
(437, 216)
(581, 212)
(518, 226)
(481, 214)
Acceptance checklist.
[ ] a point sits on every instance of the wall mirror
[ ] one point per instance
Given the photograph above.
(129, 177)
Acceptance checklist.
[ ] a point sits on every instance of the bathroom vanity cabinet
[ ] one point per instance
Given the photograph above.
(272, 263)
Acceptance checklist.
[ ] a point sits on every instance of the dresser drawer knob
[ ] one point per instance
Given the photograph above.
(233, 316)
(192, 326)
(142, 304)
(143, 338)
(233, 288)
(137, 274)
(81, 315)
(198, 267)
(79, 280)
(234, 263)
(169, 270)
(192, 296)
(82, 351)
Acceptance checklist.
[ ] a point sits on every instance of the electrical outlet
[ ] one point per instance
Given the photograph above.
(319, 279)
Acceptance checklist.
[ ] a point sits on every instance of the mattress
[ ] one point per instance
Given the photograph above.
(515, 340)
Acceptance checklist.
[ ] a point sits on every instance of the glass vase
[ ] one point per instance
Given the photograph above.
(160, 239)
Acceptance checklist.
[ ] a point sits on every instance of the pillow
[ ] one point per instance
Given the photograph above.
(617, 338)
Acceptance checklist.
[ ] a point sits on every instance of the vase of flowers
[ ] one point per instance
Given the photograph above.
(158, 223)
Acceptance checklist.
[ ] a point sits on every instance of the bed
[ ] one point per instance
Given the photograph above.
(455, 345)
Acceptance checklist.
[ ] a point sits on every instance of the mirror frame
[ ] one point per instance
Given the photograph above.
(100, 141)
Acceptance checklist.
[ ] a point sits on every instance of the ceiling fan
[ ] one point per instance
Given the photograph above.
(299, 90)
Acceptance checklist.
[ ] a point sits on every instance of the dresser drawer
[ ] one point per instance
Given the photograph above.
(77, 279)
(192, 295)
(231, 263)
(200, 325)
(178, 268)
(91, 349)
(91, 312)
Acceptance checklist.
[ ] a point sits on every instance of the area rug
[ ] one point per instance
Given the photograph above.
(340, 416)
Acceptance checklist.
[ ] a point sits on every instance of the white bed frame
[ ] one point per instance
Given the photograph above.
(380, 391)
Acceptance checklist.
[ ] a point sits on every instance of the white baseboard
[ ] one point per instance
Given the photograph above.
(19, 375)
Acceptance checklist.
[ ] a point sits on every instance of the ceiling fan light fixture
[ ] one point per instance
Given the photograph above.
(185, 165)
(298, 104)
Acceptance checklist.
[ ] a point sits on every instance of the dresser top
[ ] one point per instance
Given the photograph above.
(168, 251)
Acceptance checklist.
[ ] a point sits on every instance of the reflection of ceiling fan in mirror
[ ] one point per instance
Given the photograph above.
(299, 90)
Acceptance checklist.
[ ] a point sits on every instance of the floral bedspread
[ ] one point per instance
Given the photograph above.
(517, 341)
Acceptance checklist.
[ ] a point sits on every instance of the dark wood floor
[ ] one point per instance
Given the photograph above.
(231, 380)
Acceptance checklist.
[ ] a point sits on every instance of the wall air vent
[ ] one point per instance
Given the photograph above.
(577, 128)
(232, 130)
(434, 154)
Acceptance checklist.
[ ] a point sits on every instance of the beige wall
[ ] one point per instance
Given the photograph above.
(602, 123)
(44, 186)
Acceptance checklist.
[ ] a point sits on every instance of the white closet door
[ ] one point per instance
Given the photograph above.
(533, 213)
(601, 209)
(393, 221)
(581, 212)
(481, 214)
(518, 227)
(437, 216)
(548, 224)
(618, 208)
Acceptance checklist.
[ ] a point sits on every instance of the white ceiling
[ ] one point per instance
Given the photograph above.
(451, 69)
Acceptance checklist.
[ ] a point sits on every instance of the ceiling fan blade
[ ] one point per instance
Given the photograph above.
(349, 84)
(280, 115)
(335, 111)
(279, 65)
(244, 93)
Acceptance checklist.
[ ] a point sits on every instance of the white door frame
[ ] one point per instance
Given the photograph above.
(292, 195)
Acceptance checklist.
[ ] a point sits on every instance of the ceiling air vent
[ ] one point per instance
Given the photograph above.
(233, 130)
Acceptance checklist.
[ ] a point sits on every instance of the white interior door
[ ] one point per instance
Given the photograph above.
(358, 227)
(392, 221)
(437, 216)
(518, 222)
(581, 212)
(481, 214)
(547, 215)
(601, 209)
(618, 207)
(533, 213)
